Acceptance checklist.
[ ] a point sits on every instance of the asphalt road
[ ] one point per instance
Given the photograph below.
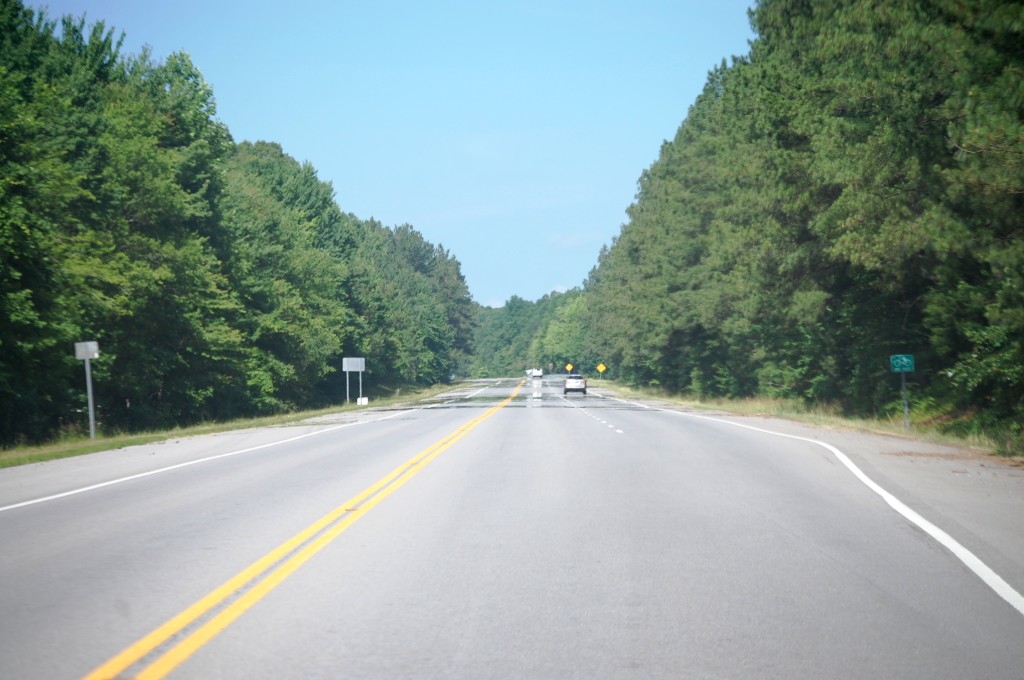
(503, 534)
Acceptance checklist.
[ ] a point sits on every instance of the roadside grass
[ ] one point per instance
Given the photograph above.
(923, 425)
(78, 444)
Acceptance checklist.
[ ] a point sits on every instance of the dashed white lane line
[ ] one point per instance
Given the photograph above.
(583, 409)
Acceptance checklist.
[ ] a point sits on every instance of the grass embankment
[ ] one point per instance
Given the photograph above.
(79, 445)
(922, 427)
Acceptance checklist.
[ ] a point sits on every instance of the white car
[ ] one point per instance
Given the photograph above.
(575, 383)
(535, 373)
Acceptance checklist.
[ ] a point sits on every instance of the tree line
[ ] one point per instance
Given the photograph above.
(220, 279)
(851, 189)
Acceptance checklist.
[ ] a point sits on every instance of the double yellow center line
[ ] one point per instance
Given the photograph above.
(202, 621)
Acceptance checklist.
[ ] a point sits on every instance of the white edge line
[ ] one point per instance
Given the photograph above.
(969, 559)
(631, 403)
(121, 480)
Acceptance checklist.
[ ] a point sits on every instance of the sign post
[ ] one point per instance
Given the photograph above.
(357, 364)
(903, 364)
(88, 351)
(601, 368)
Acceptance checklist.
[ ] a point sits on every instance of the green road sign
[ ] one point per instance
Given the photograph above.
(902, 363)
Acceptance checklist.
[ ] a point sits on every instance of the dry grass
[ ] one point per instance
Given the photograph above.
(821, 415)
(80, 445)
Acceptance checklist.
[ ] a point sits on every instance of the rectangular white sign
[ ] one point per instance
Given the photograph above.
(87, 350)
(353, 364)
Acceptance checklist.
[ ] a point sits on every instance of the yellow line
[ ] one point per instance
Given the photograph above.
(306, 548)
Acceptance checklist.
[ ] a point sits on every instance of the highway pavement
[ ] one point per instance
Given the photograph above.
(504, 530)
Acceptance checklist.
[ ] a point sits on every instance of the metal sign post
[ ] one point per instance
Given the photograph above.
(88, 351)
(903, 364)
(354, 364)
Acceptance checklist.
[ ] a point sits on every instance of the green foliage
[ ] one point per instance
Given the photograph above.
(220, 280)
(851, 189)
(505, 337)
(413, 304)
(565, 337)
(295, 318)
(45, 92)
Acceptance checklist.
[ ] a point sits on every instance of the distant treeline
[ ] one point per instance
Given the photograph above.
(850, 190)
(220, 280)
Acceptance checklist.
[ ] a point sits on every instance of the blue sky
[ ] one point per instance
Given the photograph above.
(512, 133)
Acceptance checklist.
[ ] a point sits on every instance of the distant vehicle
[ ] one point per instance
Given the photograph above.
(575, 383)
(535, 373)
